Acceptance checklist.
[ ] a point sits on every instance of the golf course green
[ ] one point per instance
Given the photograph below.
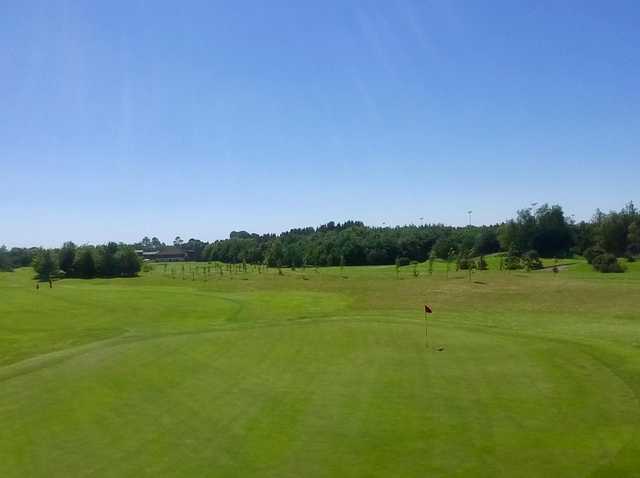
(322, 373)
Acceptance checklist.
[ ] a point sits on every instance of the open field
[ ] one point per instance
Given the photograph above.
(322, 373)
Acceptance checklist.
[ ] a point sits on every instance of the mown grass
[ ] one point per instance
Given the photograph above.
(322, 373)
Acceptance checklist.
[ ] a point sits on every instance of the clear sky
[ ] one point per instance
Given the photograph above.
(125, 119)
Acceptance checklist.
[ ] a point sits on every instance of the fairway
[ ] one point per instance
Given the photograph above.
(322, 373)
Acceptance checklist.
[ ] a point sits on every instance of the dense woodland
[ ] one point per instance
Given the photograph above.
(543, 232)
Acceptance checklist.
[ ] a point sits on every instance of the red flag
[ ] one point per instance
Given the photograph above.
(427, 309)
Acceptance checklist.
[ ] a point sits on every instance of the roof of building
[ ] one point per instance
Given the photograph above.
(171, 251)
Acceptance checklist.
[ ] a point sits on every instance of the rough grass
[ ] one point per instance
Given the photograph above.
(322, 374)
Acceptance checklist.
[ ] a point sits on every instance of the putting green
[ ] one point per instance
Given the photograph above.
(297, 381)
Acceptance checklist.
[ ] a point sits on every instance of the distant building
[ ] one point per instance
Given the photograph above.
(170, 254)
(166, 254)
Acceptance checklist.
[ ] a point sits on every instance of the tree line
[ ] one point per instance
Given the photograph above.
(109, 260)
(533, 233)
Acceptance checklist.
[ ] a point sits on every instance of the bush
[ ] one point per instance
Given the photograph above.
(532, 260)
(591, 253)
(607, 263)
(482, 264)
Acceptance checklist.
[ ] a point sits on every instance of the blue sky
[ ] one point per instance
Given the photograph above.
(125, 119)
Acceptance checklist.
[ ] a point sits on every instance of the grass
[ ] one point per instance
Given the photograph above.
(322, 374)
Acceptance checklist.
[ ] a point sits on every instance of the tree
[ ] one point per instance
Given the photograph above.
(443, 247)
(450, 256)
(107, 264)
(84, 265)
(402, 261)
(546, 231)
(146, 242)
(552, 236)
(584, 236)
(513, 260)
(128, 261)
(22, 256)
(45, 264)
(275, 255)
(67, 257)
(5, 260)
(482, 264)
(633, 234)
(633, 250)
(633, 240)
(464, 261)
(195, 249)
(177, 242)
(612, 233)
(293, 255)
(486, 243)
(156, 243)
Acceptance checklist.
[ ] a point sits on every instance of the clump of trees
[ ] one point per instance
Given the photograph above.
(109, 260)
(545, 230)
(610, 236)
(16, 257)
(607, 263)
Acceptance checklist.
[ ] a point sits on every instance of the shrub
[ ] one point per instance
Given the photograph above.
(592, 252)
(532, 260)
(607, 263)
